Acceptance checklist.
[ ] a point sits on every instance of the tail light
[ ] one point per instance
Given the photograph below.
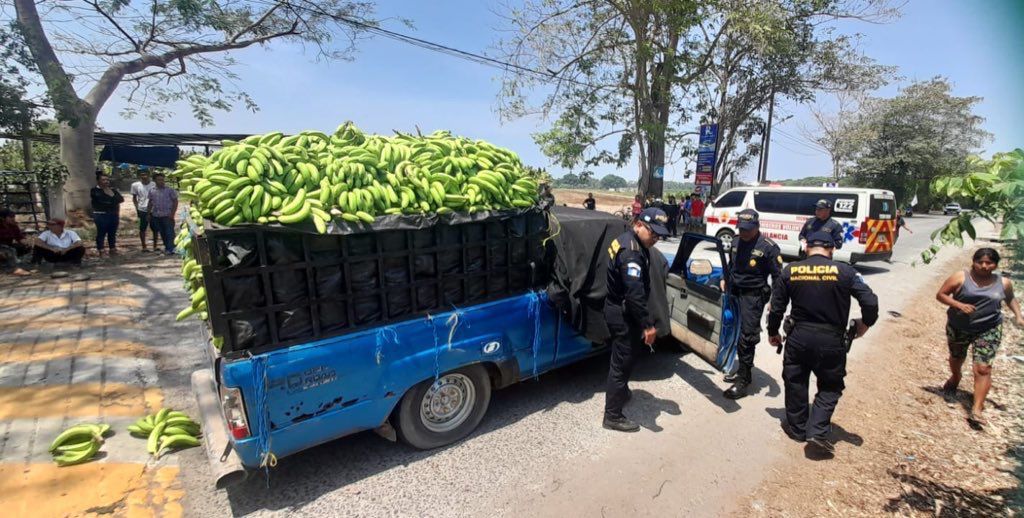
(863, 232)
(234, 412)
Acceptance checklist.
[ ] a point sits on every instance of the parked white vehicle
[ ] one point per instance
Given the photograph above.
(951, 209)
(868, 217)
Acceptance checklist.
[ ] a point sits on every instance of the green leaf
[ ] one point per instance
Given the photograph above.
(969, 227)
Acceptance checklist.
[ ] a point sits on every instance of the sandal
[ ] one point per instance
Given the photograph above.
(976, 419)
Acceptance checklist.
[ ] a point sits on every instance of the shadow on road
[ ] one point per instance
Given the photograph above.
(332, 466)
(870, 270)
(645, 408)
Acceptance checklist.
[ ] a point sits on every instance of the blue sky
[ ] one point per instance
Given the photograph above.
(393, 86)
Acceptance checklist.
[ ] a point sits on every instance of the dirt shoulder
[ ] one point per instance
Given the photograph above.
(901, 448)
(605, 201)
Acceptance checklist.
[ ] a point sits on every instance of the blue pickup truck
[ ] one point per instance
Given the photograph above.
(425, 378)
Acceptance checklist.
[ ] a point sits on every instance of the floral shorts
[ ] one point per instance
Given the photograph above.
(984, 345)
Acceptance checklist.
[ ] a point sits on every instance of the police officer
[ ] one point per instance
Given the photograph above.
(630, 324)
(822, 220)
(754, 258)
(820, 290)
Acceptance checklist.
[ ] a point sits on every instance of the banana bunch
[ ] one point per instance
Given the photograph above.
(351, 176)
(165, 430)
(78, 444)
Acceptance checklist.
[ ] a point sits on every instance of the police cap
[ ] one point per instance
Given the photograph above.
(656, 219)
(820, 238)
(748, 219)
(823, 204)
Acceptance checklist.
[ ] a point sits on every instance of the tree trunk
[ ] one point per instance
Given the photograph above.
(78, 153)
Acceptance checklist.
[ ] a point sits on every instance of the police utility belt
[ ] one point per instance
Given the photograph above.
(788, 325)
(845, 334)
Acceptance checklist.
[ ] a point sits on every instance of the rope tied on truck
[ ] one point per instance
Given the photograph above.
(383, 335)
(437, 347)
(453, 324)
(533, 310)
(261, 386)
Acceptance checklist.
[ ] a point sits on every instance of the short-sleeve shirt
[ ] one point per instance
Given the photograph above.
(141, 193)
(697, 209)
(63, 241)
(161, 202)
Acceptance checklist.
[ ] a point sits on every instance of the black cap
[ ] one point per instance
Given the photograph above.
(656, 219)
(823, 204)
(820, 238)
(748, 219)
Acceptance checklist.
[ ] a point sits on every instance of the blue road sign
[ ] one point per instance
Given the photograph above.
(706, 146)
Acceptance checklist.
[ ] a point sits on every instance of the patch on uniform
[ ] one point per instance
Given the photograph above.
(779, 259)
(633, 270)
(756, 253)
(614, 249)
(753, 262)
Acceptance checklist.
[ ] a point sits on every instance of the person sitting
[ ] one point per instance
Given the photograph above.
(57, 245)
(12, 243)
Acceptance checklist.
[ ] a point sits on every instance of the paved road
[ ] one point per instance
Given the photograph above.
(541, 449)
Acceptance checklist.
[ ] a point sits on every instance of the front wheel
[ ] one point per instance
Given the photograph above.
(436, 413)
(726, 236)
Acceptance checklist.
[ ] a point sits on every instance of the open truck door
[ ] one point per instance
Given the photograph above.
(703, 317)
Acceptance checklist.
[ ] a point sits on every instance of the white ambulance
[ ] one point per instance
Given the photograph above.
(868, 217)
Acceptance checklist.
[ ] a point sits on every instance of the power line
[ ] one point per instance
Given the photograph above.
(430, 45)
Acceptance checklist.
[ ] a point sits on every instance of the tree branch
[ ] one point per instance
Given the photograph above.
(255, 24)
(96, 6)
(106, 85)
(62, 92)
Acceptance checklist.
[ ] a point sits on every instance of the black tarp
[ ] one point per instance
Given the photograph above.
(155, 156)
(579, 270)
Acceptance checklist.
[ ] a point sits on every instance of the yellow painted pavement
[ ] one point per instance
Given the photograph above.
(78, 400)
(92, 489)
(96, 488)
(65, 347)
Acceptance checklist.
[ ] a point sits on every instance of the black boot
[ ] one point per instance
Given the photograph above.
(738, 390)
(732, 376)
(620, 424)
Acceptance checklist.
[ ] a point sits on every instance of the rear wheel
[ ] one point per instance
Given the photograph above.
(436, 413)
(726, 236)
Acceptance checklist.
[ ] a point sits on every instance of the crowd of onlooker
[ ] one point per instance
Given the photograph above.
(155, 205)
(687, 213)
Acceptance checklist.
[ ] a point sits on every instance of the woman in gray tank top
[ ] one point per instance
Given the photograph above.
(974, 321)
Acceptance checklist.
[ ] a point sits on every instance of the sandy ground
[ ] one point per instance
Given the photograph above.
(605, 201)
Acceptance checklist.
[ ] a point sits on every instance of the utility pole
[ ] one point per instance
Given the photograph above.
(762, 170)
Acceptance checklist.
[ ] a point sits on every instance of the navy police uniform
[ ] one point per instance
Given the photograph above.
(625, 310)
(819, 290)
(751, 264)
(831, 226)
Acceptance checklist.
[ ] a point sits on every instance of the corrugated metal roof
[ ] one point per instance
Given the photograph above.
(140, 139)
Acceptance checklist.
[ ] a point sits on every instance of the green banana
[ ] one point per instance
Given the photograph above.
(154, 436)
(78, 457)
(76, 433)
